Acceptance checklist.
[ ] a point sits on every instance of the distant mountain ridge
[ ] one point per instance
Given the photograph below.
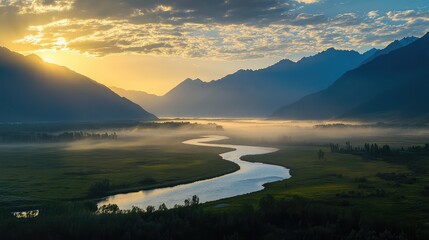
(257, 93)
(35, 91)
(139, 97)
(391, 47)
(252, 93)
(391, 87)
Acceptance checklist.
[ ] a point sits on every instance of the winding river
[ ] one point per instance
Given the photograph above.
(249, 178)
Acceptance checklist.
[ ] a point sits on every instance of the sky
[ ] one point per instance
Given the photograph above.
(152, 45)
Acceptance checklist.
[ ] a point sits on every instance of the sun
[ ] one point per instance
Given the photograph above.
(59, 57)
(48, 59)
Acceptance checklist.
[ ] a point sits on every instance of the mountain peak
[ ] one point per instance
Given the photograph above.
(371, 51)
(34, 57)
(4, 50)
(401, 43)
(329, 53)
(244, 70)
(26, 82)
(282, 64)
(189, 80)
(334, 50)
(391, 86)
(7, 54)
(188, 83)
(391, 47)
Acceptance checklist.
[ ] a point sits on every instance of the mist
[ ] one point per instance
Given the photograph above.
(278, 132)
(262, 132)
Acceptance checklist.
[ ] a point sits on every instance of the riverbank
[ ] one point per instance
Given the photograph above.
(33, 176)
(249, 178)
(344, 190)
(386, 189)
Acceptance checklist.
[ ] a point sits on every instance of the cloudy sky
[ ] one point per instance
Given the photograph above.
(152, 45)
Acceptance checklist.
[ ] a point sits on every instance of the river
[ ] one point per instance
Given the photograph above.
(249, 178)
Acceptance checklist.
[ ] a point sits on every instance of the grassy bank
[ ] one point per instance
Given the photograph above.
(344, 196)
(346, 181)
(38, 174)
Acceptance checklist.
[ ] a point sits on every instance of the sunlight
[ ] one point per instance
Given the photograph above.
(220, 119)
(49, 59)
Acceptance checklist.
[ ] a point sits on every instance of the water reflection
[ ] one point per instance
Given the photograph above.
(249, 178)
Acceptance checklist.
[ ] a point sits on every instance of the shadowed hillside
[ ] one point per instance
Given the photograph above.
(32, 91)
(391, 87)
(391, 47)
(257, 93)
(250, 93)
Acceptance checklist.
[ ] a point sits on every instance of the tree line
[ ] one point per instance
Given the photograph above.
(294, 218)
(373, 149)
(36, 137)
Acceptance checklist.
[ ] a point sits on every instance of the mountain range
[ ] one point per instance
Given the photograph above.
(391, 87)
(386, 84)
(32, 90)
(256, 93)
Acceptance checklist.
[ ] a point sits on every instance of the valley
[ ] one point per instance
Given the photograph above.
(221, 119)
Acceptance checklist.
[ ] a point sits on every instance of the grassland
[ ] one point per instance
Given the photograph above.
(344, 196)
(347, 181)
(36, 174)
(33, 174)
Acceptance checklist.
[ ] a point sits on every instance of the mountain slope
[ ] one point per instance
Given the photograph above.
(139, 97)
(32, 90)
(249, 93)
(391, 47)
(392, 86)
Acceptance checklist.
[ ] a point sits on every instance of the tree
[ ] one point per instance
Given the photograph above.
(108, 209)
(187, 202)
(195, 200)
(367, 148)
(386, 150)
(348, 146)
(334, 147)
(150, 209)
(162, 207)
(321, 154)
(135, 209)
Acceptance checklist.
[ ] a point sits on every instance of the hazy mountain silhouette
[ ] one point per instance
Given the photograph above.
(392, 86)
(391, 47)
(32, 91)
(139, 97)
(250, 93)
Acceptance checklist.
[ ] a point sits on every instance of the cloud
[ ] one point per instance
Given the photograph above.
(308, 1)
(308, 19)
(216, 29)
(45, 6)
(408, 15)
(372, 14)
(190, 11)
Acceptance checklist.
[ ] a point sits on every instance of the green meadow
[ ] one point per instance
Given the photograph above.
(347, 182)
(343, 195)
(38, 174)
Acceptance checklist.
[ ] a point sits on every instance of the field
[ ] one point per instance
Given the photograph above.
(37, 174)
(344, 195)
(347, 182)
